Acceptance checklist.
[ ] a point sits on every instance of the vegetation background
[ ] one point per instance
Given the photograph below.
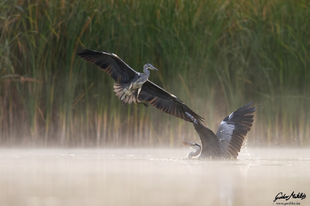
(214, 55)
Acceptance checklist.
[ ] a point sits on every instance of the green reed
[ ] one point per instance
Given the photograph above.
(214, 55)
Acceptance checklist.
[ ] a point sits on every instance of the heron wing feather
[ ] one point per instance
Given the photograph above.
(165, 101)
(110, 63)
(233, 129)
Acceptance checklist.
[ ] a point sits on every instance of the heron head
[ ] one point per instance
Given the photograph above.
(196, 146)
(150, 66)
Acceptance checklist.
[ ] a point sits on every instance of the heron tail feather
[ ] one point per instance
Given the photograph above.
(124, 94)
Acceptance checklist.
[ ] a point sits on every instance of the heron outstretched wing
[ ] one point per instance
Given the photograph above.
(110, 63)
(233, 129)
(166, 102)
(150, 92)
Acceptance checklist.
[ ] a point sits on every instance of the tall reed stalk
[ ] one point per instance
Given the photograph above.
(214, 55)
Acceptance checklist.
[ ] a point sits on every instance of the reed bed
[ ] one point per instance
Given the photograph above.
(214, 55)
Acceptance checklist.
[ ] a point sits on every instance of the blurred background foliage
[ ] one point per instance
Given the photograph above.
(214, 55)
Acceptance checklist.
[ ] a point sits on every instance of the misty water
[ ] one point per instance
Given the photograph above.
(39, 177)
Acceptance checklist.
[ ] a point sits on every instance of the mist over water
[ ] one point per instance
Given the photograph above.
(150, 177)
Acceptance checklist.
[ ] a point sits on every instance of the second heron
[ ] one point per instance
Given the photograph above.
(227, 141)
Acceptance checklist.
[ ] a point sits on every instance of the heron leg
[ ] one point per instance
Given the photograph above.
(139, 90)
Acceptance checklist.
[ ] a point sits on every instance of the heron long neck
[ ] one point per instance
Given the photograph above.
(195, 153)
(146, 71)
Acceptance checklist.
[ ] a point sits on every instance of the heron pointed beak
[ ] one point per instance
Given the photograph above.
(152, 67)
(188, 144)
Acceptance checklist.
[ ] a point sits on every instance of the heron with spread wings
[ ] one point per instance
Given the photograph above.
(134, 87)
(227, 141)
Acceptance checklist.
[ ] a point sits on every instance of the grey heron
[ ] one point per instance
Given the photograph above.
(227, 141)
(134, 87)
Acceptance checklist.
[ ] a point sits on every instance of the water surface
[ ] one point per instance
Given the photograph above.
(150, 177)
